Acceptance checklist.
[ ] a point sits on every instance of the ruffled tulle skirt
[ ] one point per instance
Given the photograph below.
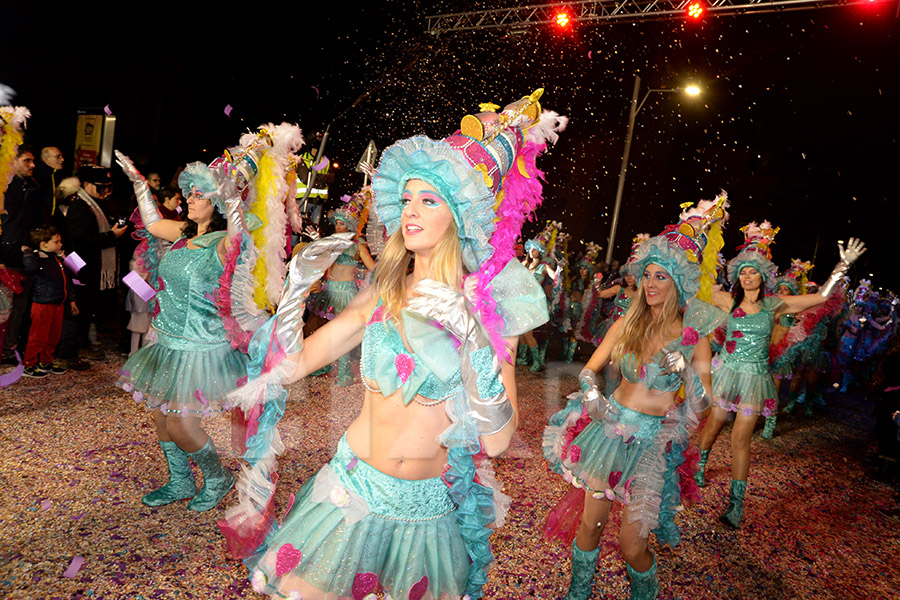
(335, 298)
(354, 530)
(745, 387)
(185, 382)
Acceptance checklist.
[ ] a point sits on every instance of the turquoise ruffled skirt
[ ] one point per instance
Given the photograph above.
(746, 387)
(185, 382)
(353, 528)
(335, 298)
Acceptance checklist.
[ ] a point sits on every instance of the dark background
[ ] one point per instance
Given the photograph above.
(798, 120)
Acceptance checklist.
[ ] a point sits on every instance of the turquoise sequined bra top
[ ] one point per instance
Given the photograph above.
(748, 335)
(699, 320)
(430, 369)
(347, 257)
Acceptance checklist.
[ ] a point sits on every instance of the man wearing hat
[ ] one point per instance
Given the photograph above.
(92, 237)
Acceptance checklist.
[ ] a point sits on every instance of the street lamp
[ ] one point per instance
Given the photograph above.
(690, 90)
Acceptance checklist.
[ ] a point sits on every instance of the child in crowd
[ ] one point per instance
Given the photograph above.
(52, 289)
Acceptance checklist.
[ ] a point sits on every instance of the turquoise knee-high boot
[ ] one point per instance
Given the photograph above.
(181, 480)
(732, 517)
(537, 359)
(217, 479)
(700, 475)
(644, 585)
(583, 566)
(522, 354)
(768, 431)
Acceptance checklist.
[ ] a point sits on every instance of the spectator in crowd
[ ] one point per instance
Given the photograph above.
(52, 290)
(48, 173)
(93, 237)
(22, 213)
(155, 183)
(169, 200)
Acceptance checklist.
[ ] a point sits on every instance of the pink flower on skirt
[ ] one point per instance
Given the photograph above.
(574, 453)
(747, 410)
(769, 403)
(689, 336)
(730, 346)
(737, 334)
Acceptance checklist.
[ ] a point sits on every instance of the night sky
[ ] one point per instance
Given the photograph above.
(798, 120)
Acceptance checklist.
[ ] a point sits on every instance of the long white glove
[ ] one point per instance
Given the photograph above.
(853, 251)
(227, 192)
(306, 268)
(596, 403)
(146, 203)
(456, 315)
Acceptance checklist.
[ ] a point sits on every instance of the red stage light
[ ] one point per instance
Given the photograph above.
(695, 10)
(562, 18)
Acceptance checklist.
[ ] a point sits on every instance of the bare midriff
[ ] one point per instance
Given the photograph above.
(341, 272)
(637, 397)
(398, 440)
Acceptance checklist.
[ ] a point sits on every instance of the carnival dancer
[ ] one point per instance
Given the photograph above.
(399, 508)
(341, 285)
(195, 361)
(742, 383)
(581, 286)
(627, 447)
(537, 254)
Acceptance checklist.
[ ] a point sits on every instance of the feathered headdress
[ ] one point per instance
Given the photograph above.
(687, 249)
(795, 276)
(545, 241)
(756, 252)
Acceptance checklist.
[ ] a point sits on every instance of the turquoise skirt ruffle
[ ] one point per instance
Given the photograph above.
(335, 298)
(185, 382)
(745, 387)
(353, 528)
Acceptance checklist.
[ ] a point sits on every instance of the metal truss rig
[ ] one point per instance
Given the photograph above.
(589, 11)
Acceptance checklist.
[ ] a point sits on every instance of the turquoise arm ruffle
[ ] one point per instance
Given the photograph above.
(521, 301)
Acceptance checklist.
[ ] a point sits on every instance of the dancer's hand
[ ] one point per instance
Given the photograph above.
(674, 362)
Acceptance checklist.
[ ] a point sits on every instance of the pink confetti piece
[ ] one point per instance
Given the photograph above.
(352, 463)
(178, 209)
(76, 282)
(290, 505)
(74, 566)
(589, 54)
(321, 164)
(317, 91)
(45, 505)
(228, 110)
(139, 286)
(107, 110)
(74, 262)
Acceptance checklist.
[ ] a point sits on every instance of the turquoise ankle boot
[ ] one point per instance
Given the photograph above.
(700, 475)
(732, 517)
(569, 350)
(768, 431)
(793, 400)
(345, 371)
(583, 566)
(217, 479)
(522, 354)
(644, 585)
(181, 480)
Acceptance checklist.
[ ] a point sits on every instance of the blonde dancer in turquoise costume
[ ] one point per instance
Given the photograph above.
(626, 447)
(536, 254)
(398, 508)
(743, 384)
(196, 359)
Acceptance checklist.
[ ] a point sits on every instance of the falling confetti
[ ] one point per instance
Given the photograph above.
(228, 110)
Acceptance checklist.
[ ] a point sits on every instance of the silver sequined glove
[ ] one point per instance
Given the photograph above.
(227, 191)
(306, 268)
(596, 403)
(675, 362)
(853, 251)
(146, 203)
(456, 315)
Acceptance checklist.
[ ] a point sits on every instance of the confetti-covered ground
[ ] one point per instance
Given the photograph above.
(78, 454)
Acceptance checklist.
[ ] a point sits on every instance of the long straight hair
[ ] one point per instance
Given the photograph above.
(640, 327)
(393, 267)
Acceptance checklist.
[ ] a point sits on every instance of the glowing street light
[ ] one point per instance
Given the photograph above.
(690, 90)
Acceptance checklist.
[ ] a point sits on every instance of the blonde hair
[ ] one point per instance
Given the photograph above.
(393, 267)
(639, 327)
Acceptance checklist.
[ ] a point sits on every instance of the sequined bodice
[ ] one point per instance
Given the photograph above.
(651, 374)
(347, 257)
(747, 337)
(187, 314)
(387, 361)
(620, 304)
